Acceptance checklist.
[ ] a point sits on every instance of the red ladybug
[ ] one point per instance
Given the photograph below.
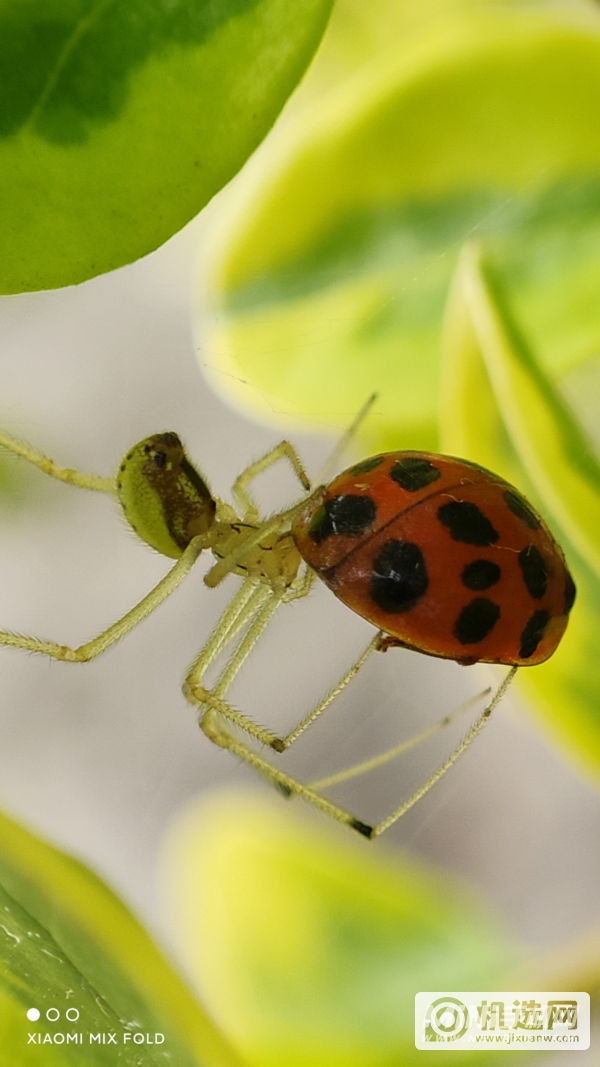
(442, 555)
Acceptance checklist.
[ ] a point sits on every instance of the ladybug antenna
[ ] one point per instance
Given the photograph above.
(332, 461)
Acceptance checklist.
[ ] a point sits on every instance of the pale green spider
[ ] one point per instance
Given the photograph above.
(168, 504)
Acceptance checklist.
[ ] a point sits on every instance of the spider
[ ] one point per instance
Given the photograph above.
(377, 535)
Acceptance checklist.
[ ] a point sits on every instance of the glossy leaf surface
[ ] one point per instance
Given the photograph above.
(333, 256)
(120, 119)
(500, 409)
(66, 942)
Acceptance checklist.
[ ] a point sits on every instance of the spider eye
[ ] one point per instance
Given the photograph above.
(160, 458)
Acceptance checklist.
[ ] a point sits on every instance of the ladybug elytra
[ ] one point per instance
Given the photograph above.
(444, 556)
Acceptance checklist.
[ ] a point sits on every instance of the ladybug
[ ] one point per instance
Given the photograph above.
(442, 555)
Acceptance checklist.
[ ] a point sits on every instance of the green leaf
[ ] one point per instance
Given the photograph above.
(551, 445)
(310, 947)
(120, 119)
(66, 942)
(332, 257)
(499, 409)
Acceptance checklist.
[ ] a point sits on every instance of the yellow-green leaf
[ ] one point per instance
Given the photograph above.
(119, 120)
(548, 439)
(309, 948)
(332, 256)
(67, 944)
(499, 409)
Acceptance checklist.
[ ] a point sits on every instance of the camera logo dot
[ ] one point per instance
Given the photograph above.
(33, 1014)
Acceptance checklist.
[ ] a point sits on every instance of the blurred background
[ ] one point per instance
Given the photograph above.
(99, 758)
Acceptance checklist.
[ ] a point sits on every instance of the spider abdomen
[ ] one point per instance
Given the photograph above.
(163, 497)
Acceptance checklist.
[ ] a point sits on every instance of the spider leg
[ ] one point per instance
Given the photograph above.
(332, 460)
(118, 630)
(284, 450)
(398, 750)
(285, 742)
(48, 466)
(221, 737)
(256, 612)
(258, 616)
(255, 608)
(476, 728)
(241, 608)
(291, 787)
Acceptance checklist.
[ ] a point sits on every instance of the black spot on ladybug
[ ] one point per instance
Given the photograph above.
(519, 507)
(350, 515)
(414, 472)
(533, 633)
(476, 621)
(535, 571)
(481, 574)
(570, 593)
(367, 465)
(400, 576)
(467, 523)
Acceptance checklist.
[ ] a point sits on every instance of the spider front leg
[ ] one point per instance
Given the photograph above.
(119, 629)
(284, 450)
(48, 466)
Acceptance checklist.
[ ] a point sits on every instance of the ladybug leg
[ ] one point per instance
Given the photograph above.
(300, 586)
(284, 450)
(405, 746)
(476, 728)
(386, 642)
